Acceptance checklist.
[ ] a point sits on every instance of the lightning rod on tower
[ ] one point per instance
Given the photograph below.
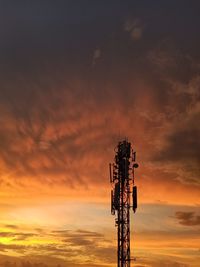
(123, 185)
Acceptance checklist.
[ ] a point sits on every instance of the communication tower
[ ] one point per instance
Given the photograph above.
(123, 185)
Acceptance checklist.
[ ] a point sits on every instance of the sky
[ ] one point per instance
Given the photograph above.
(76, 77)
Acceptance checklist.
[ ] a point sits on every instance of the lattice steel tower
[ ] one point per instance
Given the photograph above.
(122, 180)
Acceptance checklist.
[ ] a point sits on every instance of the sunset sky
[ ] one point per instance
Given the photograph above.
(76, 77)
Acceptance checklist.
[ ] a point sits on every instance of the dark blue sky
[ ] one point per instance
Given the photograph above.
(64, 34)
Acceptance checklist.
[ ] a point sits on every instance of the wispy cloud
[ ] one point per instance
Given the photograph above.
(135, 28)
(67, 141)
(96, 56)
(187, 218)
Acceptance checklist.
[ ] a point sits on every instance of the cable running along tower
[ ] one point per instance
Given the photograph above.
(122, 181)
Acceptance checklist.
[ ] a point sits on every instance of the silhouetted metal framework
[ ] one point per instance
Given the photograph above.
(122, 180)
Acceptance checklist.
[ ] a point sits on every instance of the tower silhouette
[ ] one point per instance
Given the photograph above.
(122, 181)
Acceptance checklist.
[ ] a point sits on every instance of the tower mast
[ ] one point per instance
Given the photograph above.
(122, 181)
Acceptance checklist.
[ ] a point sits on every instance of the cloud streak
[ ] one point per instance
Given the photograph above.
(187, 218)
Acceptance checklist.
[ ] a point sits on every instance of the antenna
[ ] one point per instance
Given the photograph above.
(122, 180)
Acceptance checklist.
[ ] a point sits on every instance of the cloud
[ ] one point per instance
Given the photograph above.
(6, 261)
(179, 144)
(84, 238)
(96, 56)
(135, 28)
(11, 226)
(68, 141)
(17, 235)
(73, 245)
(169, 263)
(81, 247)
(187, 218)
(13, 247)
(61, 123)
(61, 119)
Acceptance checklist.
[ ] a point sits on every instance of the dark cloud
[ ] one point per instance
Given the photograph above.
(179, 142)
(169, 263)
(13, 247)
(17, 236)
(6, 234)
(77, 123)
(86, 242)
(68, 245)
(88, 233)
(65, 255)
(183, 144)
(82, 238)
(187, 218)
(11, 226)
(23, 236)
(41, 262)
